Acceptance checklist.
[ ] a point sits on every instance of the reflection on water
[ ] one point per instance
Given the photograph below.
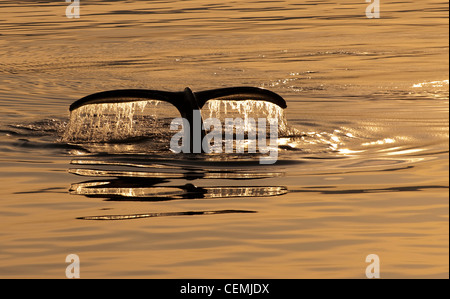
(146, 191)
(146, 167)
(381, 190)
(152, 186)
(435, 84)
(149, 215)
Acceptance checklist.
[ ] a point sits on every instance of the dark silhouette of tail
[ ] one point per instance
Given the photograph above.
(185, 102)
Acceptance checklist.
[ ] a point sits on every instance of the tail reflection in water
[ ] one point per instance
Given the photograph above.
(144, 190)
(156, 181)
(148, 215)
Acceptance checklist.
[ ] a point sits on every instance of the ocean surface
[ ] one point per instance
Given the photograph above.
(366, 172)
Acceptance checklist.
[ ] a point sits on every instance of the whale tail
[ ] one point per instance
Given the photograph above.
(186, 101)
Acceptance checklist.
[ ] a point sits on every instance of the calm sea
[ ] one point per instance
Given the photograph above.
(368, 174)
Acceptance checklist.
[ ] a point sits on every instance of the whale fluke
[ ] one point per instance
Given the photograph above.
(186, 102)
(127, 95)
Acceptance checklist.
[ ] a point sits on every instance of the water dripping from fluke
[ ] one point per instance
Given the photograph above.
(136, 115)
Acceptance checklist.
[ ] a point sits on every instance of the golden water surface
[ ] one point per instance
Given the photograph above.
(368, 176)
